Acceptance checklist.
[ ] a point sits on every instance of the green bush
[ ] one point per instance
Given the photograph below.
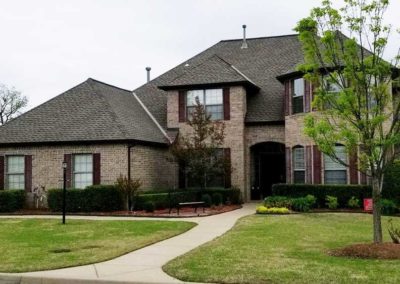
(11, 200)
(388, 207)
(342, 192)
(206, 198)
(391, 182)
(353, 202)
(217, 198)
(100, 198)
(278, 201)
(303, 204)
(149, 206)
(331, 202)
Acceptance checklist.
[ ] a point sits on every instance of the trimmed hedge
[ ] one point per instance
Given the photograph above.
(100, 198)
(391, 182)
(342, 192)
(11, 200)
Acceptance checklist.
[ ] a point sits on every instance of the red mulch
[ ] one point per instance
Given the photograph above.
(370, 251)
(183, 212)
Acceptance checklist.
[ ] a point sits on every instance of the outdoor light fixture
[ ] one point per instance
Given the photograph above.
(64, 166)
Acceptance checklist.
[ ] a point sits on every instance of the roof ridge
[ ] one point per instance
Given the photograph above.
(262, 37)
(101, 82)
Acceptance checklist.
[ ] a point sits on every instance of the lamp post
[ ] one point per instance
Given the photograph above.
(64, 166)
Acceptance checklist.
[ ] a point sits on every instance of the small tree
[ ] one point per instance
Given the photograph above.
(360, 113)
(129, 190)
(11, 103)
(199, 151)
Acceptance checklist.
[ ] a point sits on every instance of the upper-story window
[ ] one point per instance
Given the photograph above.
(335, 172)
(15, 172)
(212, 99)
(82, 170)
(299, 168)
(298, 95)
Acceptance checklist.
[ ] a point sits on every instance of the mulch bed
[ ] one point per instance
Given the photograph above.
(164, 213)
(369, 251)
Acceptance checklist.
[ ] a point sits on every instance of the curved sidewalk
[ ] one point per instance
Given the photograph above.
(143, 265)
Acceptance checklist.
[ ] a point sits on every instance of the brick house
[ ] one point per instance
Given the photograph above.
(102, 131)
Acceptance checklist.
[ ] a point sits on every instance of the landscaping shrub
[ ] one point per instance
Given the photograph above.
(217, 198)
(149, 206)
(278, 201)
(391, 182)
(303, 204)
(353, 202)
(388, 207)
(331, 202)
(342, 192)
(206, 198)
(272, 210)
(11, 200)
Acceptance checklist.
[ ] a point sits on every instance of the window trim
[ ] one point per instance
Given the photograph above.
(294, 97)
(338, 168)
(74, 172)
(303, 170)
(8, 174)
(204, 97)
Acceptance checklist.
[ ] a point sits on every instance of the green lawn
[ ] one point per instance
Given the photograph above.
(287, 249)
(39, 244)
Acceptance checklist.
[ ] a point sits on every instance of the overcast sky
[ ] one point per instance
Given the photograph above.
(49, 46)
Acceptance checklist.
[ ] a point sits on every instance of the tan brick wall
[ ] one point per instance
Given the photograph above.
(294, 131)
(154, 167)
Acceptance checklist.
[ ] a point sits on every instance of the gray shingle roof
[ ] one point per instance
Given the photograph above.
(91, 111)
(263, 60)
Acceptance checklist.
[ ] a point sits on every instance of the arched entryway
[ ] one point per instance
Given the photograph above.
(268, 166)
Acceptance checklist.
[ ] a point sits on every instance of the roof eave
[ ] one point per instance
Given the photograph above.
(209, 85)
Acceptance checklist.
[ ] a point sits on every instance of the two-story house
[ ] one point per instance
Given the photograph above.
(102, 131)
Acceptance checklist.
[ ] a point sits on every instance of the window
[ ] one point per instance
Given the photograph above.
(212, 99)
(15, 172)
(298, 95)
(83, 170)
(336, 173)
(298, 165)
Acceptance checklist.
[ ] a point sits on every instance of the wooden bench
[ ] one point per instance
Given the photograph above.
(194, 204)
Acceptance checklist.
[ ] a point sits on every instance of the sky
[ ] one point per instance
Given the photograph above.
(49, 46)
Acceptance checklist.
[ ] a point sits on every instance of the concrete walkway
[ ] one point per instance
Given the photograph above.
(140, 266)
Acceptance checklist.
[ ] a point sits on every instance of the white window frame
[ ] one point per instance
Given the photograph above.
(74, 172)
(18, 173)
(203, 101)
(337, 167)
(295, 166)
(295, 95)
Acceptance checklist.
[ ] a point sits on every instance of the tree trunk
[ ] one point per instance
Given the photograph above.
(376, 210)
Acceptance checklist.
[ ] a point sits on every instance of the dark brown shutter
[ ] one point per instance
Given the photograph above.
(308, 165)
(182, 176)
(96, 169)
(363, 178)
(2, 168)
(28, 173)
(312, 95)
(307, 96)
(288, 154)
(317, 165)
(287, 97)
(68, 160)
(182, 106)
(353, 168)
(227, 104)
(228, 173)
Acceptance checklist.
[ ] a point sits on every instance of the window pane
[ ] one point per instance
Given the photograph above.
(214, 97)
(330, 164)
(297, 104)
(83, 163)
(191, 97)
(15, 164)
(298, 89)
(83, 180)
(216, 112)
(336, 177)
(16, 181)
(299, 176)
(298, 159)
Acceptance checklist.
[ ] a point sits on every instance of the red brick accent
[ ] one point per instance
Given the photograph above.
(68, 160)
(353, 169)
(96, 169)
(307, 96)
(288, 154)
(317, 165)
(227, 104)
(286, 94)
(2, 172)
(227, 155)
(308, 164)
(28, 173)
(182, 106)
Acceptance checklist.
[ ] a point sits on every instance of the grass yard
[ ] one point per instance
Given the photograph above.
(41, 244)
(287, 249)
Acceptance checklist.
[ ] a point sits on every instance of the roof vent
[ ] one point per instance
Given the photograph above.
(148, 73)
(244, 43)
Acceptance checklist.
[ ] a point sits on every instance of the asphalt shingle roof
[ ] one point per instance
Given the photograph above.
(91, 111)
(263, 60)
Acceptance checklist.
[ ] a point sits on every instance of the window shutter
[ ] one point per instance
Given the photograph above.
(307, 96)
(96, 169)
(28, 173)
(288, 165)
(2, 172)
(182, 176)
(353, 168)
(308, 165)
(363, 178)
(182, 106)
(312, 95)
(68, 160)
(227, 104)
(287, 97)
(228, 172)
(317, 165)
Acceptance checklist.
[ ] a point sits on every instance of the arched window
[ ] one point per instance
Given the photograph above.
(335, 173)
(299, 168)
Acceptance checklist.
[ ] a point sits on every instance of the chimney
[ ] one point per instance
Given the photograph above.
(244, 43)
(148, 73)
